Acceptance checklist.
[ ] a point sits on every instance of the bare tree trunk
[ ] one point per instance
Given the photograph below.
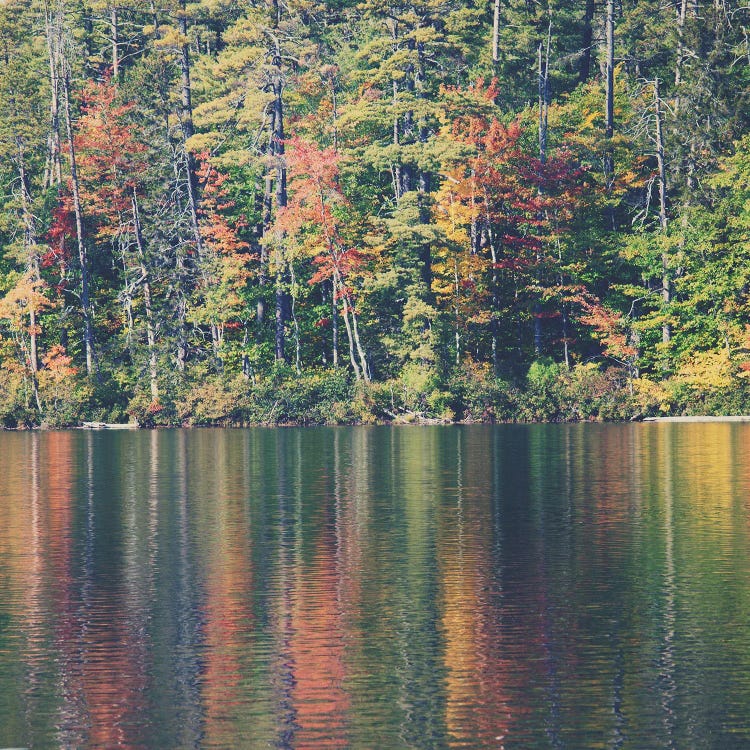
(150, 333)
(424, 181)
(180, 269)
(495, 300)
(260, 313)
(349, 333)
(666, 280)
(274, 12)
(361, 370)
(407, 130)
(397, 169)
(397, 176)
(543, 63)
(88, 332)
(277, 150)
(334, 326)
(456, 310)
(564, 312)
(358, 344)
(32, 261)
(186, 121)
(609, 82)
(295, 323)
(53, 168)
(114, 22)
(279, 332)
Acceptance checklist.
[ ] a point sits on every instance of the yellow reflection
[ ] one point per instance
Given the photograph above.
(476, 703)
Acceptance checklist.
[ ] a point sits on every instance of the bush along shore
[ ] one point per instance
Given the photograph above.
(549, 392)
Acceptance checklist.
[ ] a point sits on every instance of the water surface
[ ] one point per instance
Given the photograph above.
(540, 586)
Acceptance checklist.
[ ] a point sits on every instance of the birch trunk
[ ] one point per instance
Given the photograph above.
(53, 167)
(29, 241)
(150, 332)
(666, 283)
(88, 330)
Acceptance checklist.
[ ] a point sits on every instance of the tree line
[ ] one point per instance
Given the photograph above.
(264, 211)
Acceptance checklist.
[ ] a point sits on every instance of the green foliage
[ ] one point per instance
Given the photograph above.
(15, 401)
(315, 397)
(587, 392)
(214, 401)
(310, 212)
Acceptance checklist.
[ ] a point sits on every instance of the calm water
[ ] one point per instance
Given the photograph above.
(583, 586)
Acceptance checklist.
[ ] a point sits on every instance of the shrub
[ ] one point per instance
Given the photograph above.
(64, 395)
(215, 401)
(544, 398)
(476, 395)
(15, 400)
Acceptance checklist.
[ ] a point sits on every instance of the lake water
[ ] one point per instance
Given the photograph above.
(539, 586)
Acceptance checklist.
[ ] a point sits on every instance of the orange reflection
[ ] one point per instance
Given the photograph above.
(228, 627)
(480, 673)
(316, 650)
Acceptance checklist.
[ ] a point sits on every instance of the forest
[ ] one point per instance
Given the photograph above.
(293, 211)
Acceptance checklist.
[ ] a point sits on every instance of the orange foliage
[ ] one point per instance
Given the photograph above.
(110, 157)
(57, 364)
(314, 208)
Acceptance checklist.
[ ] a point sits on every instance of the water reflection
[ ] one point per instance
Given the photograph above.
(510, 587)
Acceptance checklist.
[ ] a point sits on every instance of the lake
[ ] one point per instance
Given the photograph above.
(515, 586)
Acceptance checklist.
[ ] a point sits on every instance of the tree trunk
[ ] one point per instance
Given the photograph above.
(609, 81)
(88, 332)
(334, 326)
(277, 150)
(150, 334)
(267, 215)
(32, 261)
(424, 182)
(543, 63)
(496, 39)
(587, 40)
(115, 24)
(358, 344)
(295, 323)
(186, 121)
(488, 233)
(666, 279)
(53, 168)
(279, 332)
(407, 129)
(456, 311)
(180, 266)
(347, 324)
(396, 169)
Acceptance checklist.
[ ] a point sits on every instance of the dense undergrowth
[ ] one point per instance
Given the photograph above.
(549, 392)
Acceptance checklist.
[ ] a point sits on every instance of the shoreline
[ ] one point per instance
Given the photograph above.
(726, 418)
(132, 426)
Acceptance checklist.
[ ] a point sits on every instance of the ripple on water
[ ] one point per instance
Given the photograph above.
(514, 586)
